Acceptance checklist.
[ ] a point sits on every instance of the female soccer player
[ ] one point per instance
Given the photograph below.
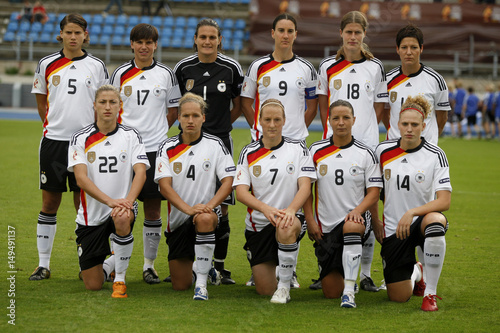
(186, 168)
(284, 76)
(344, 167)
(416, 189)
(412, 76)
(217, 78)
(65, 84)
(355, 75)
(279, 171)
(150, 95)
(109, 162)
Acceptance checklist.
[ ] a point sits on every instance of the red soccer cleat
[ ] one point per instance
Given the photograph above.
(429, 303)
(419, 287)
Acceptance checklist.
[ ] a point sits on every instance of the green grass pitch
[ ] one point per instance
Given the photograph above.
(469, 284)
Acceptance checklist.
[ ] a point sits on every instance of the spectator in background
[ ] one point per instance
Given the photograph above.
(489, 112)
(496, 107)
(458, 102)
(26, 13)
(111, 2)
(469, 110)
(39, 13)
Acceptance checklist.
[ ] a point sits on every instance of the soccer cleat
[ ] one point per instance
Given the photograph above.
(348, 301)
(429, 303)
(214, 277)
(367, 284)
(281, 296)
(226, 277)
(150, 276)
(293, 282)
(111, 277)
(250, 282)
(316, 285)
(119, 290)
(168, 279)
(356, 288)
(80, 275)
(200, 294)
(419, 287)
(40, 273)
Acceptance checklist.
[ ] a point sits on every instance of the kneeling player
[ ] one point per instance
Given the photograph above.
(104, 157)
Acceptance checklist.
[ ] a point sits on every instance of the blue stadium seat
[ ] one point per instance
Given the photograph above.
(9, 36)
(245, 2)
(36, 27)
(168, 21)
(133, 20)
(166, 32)
(13, 26)
(60, 16)
(34, 36)
(119, 30)
(187, 43)
(192, 22)
(129, 29)
(87, 17)
(237, 44)
(240, 24)
(117, 41)
(107, 30)
(145, 19)
(189, 33)
(165, 41)
(219, 22)
(52, 18)
(24, 27)
(45, 37)
(179, 32)
(157, 21)
(21, 36)
(97, 19)
(50, 27)
(239, 34)
(227, 34)
(94, 40)
(121, 20)
(95, 30)
(104, 39)
(227, 24)
(176, 43)
(110, 20)
(180, 21)
(13, 16)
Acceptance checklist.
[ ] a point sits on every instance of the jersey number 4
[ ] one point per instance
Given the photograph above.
(404, 184)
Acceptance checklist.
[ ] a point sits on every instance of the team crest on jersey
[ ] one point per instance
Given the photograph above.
(368, 86)
(206, 165)
(43, 178)
(123, 156)
(257, 170)
(157, 91)
(266, 81)
(127, 90)
(420, 177)
(56, 79)
(355, 170)
(387, 174)
(221, 87)
(88, 82)
(177, 167)
(91, 156)
(337, 84)
(290, 168)
(189, 84)
(300, 83)
(393, 96)
(323, 170)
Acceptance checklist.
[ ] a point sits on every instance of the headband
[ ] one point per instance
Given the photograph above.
(423, 116)
(274, 103)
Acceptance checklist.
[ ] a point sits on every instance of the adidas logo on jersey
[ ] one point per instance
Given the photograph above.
(408, 85)
(273, 157)
(191, 153)
(142, 78)
(353, 71)
(72, 67)
(282, 69)
(404, 160)
(339, 156)
(107, 143)
(206, 74)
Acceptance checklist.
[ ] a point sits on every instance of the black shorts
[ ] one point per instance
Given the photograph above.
(53, 158)
(92, 242)
(456, 117)
(228, 142)
(398, 256)
(150, 189)
(471, 120)
(181, 241)
(262, 246)
(489, 116)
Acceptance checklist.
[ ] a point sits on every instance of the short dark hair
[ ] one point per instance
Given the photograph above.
(411, 31)
(284, 16)
(76, 19)
(144, 31)
(341, 102)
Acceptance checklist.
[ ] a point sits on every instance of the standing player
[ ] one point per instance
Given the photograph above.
(109, 162)
(279, 171)
(489, 112)
(355, 75)
(217, 78)
(416, 189)
(150, 95)
(286, 77)
(186, 169)
(458, 104)
(472, 104)
(344, 167)
(412, 76)
(65, 84)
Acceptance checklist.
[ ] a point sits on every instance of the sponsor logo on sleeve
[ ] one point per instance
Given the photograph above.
(231, 169)
(375, 180)
(444, 180)
(309, 169)
(142, 157)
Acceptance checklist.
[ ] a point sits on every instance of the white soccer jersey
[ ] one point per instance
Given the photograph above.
(272, 175)
(291, 82)
(146, 93)
(362, 83)
(70, 86)
(193, 168)
(110, 160)
(343, 174)
(426, 82)
(411, 178)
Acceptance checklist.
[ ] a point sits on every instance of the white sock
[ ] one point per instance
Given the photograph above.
(151, 235)
(421, 259)
(351, 258)
(416, 276)
(123, 251)
(435, 250)
(204, 247)
(108, 266)
(367, 256)
(45, 233)
(287, 258)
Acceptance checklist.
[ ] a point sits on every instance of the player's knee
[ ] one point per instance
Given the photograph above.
(122, 225)
(180, 285)
(352, 227)
(93, 284)
(287, 235)
(206, 222)
(265, 289)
